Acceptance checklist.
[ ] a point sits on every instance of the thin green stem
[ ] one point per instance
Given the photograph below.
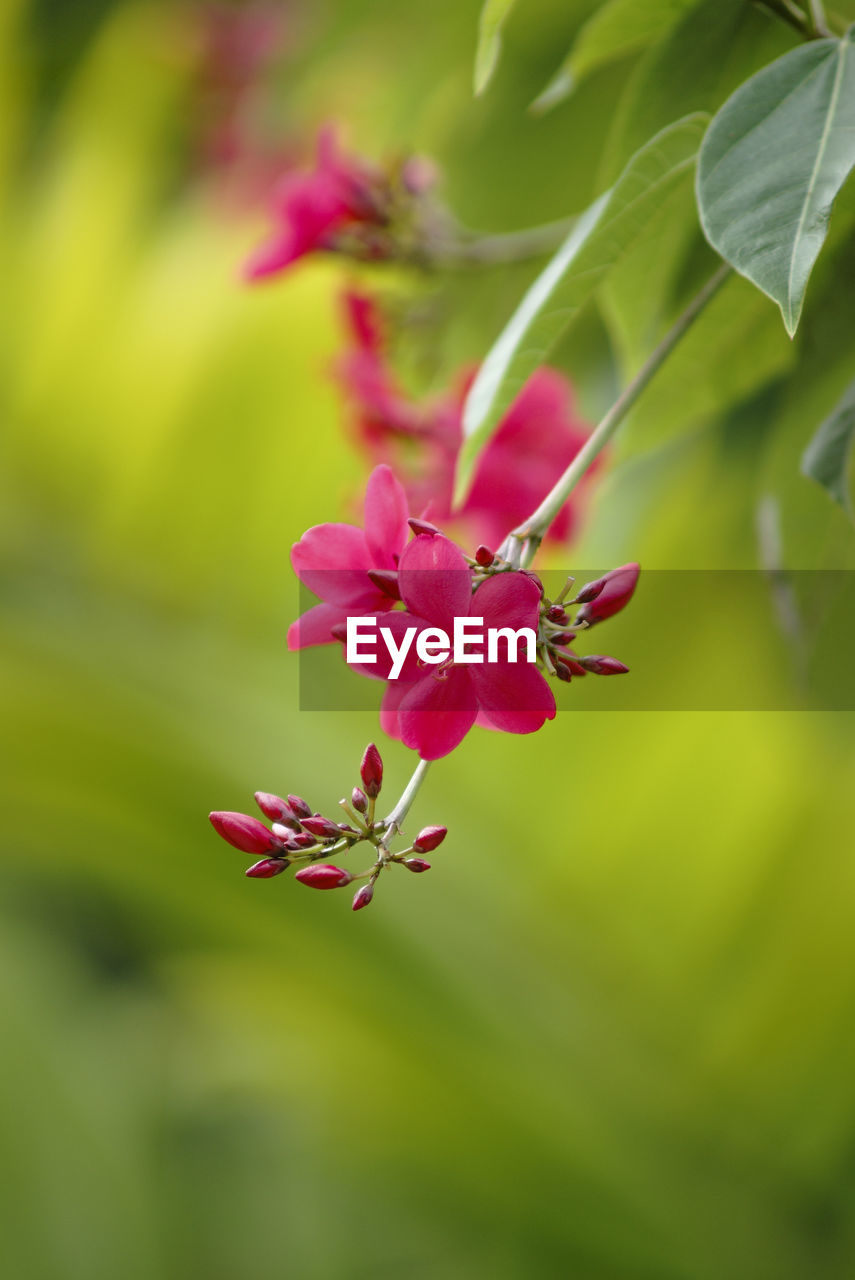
(817, 17)
(471, 249)
(402, 808)
(521, 544)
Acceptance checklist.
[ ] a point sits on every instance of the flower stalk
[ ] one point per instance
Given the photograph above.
(521, 544)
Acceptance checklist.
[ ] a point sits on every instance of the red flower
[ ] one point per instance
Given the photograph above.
(432, 710)
(536, 440)
(311, 209)
(335, 561)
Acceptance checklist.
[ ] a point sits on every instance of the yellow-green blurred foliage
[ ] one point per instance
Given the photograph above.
(612, 1034)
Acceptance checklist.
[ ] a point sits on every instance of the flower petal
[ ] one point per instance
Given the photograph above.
(386, 512)
(315, 626)
(437, 712)
(333, 561)
(507, 600)
(514, 695)
(434, 580)
(392, 699)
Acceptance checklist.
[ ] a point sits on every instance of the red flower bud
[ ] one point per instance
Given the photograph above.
(359, 800)
(339, 631)
(590, 591)
(320, 826)
(556, 614)
(299, 807)
(429, 838)
(484, 557)
(603, 666)
(416, 864)
(422, 526)
(245, 833)
(615, 591)
(302, 840)
(276, 809)
(363, 896)
(371, 771)
(562, 669)
(386, 580)
(266, 868)
(324, 876)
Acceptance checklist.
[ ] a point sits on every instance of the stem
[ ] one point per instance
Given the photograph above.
(817, 17)
(402, 808)
(472, 249)
(813, 28)
(532, 530)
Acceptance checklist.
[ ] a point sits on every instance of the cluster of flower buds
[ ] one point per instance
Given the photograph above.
(298, 837)
(354, 207)
(597, 600)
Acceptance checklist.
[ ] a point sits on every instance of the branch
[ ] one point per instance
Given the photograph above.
(529, 534)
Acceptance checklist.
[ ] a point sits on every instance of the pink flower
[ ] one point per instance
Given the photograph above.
(335, 560)
(311, 209)
(534, 443)
(433, 708)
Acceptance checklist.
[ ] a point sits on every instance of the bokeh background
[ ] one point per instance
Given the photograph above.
(612, 1034)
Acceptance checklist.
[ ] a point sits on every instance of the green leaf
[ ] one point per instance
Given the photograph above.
(618, 28)
(602, 235)
(826, 459)
(701, 61)
(773, 160)
(490, 23)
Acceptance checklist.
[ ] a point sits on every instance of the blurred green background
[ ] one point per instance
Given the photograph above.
(612, 1034)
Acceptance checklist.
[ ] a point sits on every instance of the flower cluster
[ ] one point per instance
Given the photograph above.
(534, 443)
(422, 585)
(346, 205)
(298, 837)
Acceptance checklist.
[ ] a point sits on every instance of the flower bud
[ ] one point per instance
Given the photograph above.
(276, 809)
(418, 174)
(363, 896)
(245, 833)
(266, 868)
(339, 632)
(320, 826)
(484, 557)
(416, 864)
(371, 771)
(323, 875)
(562, 669)
(386, 580)
(302, 840)
(422, 526)
(299, 807)
(556, 614)
(590, 591)
(615, 591)
(429, 838)
(603, 666)
(359, 800)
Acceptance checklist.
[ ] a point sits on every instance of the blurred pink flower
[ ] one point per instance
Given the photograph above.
(335, 562)
(536, 440)
(432, 708)
(311, 209)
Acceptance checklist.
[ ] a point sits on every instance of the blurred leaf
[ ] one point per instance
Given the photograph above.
(773, 161)
(714, 47)
(600, 238)
(493, 15)
(826, 459)
(617, 28)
